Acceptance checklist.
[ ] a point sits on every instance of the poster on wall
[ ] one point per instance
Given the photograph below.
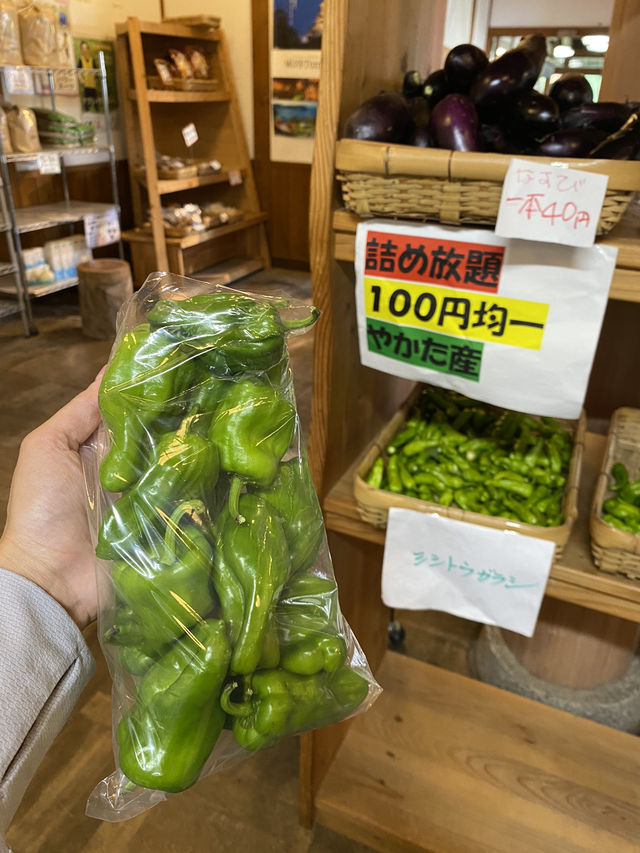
(86, 57)
(296, 27)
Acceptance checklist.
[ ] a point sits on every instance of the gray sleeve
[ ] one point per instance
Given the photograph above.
(44, 665)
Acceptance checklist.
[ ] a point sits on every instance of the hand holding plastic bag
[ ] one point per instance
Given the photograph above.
(219, 613)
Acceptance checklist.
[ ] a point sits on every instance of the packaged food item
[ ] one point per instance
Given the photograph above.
(198, 62)
(39, 34)
(66, 54)
(164, 71)
(10, 50)
(23, 130)
(4, 133)
(181, 66)
(36, 267)
(219, 613)
(216, 213)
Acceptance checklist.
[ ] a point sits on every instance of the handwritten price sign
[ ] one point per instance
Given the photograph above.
(546, 202)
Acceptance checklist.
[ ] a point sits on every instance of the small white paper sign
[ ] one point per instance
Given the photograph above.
(550, 203)
(490, 576)
(235, 177)
(49, 164)
(101, 229)
(18, 81)
(190, 134)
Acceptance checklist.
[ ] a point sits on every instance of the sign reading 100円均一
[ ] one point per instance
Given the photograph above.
(511, 322)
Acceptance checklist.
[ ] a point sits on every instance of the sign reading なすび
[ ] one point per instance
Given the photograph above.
(550, 203)
(510, 322)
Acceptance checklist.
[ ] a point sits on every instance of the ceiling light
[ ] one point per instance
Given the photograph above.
(563, 51)
(596, 43)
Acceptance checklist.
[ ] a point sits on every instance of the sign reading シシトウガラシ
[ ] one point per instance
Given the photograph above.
(511, 322)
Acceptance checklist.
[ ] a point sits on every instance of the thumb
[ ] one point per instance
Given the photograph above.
(74, 423)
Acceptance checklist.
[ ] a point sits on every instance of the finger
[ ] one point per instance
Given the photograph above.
(75, 422)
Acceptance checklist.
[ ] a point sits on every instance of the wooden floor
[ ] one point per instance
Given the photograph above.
(249, 807)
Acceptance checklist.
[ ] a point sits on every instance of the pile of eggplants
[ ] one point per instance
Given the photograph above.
(472, 104)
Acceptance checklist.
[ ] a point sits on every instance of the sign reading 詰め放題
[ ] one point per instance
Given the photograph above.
(511, 322)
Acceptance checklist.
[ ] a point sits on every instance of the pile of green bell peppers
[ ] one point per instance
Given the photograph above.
(622, 509)
(454, 451)
(219, 613)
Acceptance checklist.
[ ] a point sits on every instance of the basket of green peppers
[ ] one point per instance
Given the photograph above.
(615, 512)
(445, 453)
(219, 610)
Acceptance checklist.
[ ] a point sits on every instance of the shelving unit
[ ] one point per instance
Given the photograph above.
(22, 220)
(441, 763)
(154, 118)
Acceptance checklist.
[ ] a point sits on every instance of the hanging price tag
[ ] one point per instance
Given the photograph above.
(190, 134)
(546, 202)
(235, 177)
(492, 576)
(18, 81)
(49, 164)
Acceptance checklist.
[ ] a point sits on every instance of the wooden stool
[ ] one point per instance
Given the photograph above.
(105, 285)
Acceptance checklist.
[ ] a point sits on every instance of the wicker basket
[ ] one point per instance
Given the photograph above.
(453, 187)
(617, 551)
(373, 504)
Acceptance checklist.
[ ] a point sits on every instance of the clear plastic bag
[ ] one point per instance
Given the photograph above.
(219, 614)
(39, 34)
(10, 51)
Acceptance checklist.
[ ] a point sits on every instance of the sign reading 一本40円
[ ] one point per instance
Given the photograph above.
(510, 322)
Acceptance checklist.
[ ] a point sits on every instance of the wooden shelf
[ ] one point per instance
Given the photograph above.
(442, 763)
(625, 285)
(175, 185)
(138, 235)
(172, 96)
(575, 578)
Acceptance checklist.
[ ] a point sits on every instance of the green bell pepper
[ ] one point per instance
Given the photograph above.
(185, 466)
(233, 332)
(275, 703)
(168, 734)
(309, 626)
(251, 565)
(175, 592)
(139, 385)
(294, 500)
(252, 429)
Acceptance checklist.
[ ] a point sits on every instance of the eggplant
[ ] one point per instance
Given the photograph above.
(419, 111)
(383, 118)
(420, 137)
(624, 144)
(571, 90)
(536, 45)
(462, 65)
(491, 137)
(436, 86)
(571, 143)
(412, 84)
(604, 115)
(532, 117)
(503, 79)
(454, 123)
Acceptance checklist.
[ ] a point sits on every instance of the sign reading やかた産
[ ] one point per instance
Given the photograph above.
(511, 322)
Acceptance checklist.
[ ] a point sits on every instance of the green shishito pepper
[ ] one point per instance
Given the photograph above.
(233, 332)
(251, 565)
(168, 734)
(275, 703)
(252, 429)
(175, 592)
(138, 386)
(185, 465)
(294, 500)
(308, 625)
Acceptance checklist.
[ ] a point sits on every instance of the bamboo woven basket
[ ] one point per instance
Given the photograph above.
(453, 187)
(373, 504)
(617, 551)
